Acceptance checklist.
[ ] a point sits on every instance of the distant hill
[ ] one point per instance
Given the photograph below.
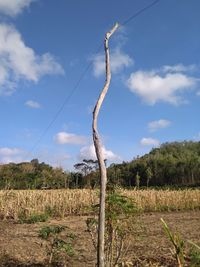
(176, 163)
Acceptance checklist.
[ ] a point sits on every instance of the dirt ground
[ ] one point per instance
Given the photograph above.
(21, 246)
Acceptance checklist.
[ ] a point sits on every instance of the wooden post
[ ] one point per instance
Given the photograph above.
(99, 153)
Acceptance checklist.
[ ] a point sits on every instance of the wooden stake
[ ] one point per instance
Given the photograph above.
(99, 153)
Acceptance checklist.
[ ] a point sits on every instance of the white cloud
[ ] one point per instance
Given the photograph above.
(32, 104)
(120, 37)
(149, 142)
(159, 124)
(118, 61)
(179, 68)
(54, 158)
(88, 152)
(17, 155)
(5, 151)
(19, 62)
(13, 7)
(8, 155)
(70, 138)
(153, 87)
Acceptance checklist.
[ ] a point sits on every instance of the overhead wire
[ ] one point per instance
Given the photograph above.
(82, 75)
(66, 100)
(139, 12)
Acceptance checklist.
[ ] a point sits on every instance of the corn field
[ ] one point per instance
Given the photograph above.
(61, 203)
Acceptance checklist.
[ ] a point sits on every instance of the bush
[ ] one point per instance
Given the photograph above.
(46, 231)
(120, 211)
(57, 246)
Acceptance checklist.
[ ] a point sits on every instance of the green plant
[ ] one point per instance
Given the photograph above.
(45, 231)
(178, 244)
(56, 244)
(62, 245)
(194, 255)
(50, 211)
(119, 221)
(33, 218)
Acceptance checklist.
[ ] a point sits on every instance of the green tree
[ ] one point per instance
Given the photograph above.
(137, 180)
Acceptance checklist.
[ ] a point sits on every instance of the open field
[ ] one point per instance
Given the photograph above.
(21, 246)
(61, 203)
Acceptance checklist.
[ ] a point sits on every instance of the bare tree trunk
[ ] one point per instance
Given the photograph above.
(99, 153)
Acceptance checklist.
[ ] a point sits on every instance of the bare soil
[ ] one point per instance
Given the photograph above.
(21, 246)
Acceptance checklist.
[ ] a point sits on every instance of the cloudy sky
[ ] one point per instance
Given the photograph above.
(46, 45)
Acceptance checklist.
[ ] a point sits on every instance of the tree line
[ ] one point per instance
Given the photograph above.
(172, 164)
(35, 175)
(176, 163)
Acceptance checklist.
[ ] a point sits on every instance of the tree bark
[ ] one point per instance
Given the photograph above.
(99, 153)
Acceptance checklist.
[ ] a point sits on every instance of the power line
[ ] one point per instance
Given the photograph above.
(66, 100)
(139, 12)
(74, 89)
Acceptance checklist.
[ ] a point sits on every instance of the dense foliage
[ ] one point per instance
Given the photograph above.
(35, 175)
(175, 163)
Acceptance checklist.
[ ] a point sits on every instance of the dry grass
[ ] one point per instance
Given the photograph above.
(165, 200)
(60, 203)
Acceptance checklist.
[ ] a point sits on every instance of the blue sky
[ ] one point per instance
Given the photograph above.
(155, 89)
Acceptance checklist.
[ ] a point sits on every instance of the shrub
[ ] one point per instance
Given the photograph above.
(118, 225)
(57, 245)
(46, 231)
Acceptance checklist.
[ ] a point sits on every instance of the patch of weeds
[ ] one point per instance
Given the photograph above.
(65, 246)
(195, 258)
(46, 231)
(194, 255)
(57, 247)
(179, 252)
(51, 211)
(178, 244)
(33, 218)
